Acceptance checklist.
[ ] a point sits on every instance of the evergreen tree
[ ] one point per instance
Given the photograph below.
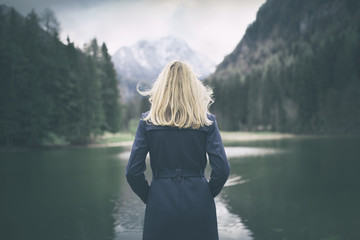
(49, 22)
(48, 89)
(110, 93)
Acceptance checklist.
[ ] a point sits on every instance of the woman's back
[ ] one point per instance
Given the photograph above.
(180, 200)
(174, 148)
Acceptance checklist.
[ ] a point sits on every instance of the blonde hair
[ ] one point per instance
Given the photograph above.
(178, 98)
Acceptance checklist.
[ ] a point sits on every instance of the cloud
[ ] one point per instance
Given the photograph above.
(209, 26)
(213, 27)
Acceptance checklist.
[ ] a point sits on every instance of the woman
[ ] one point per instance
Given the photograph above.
(178, 131)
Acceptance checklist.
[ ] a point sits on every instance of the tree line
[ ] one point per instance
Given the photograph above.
(50, 90)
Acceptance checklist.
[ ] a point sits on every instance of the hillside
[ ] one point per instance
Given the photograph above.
(295, 70)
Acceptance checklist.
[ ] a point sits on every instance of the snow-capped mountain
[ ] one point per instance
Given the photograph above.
(144, 61)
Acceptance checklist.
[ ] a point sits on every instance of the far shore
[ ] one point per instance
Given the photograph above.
(254, 136)
(126, 139)
(227, 137)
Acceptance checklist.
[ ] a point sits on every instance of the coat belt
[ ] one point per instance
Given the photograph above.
(177, 173)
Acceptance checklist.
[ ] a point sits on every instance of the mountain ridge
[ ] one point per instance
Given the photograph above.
(143, 61)
(295, 62)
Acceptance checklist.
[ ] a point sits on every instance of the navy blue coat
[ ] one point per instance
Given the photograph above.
(179, 201)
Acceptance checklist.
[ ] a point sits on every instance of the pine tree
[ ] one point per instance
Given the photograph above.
(110, 93)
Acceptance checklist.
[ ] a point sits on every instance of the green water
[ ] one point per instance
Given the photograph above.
(284, 189)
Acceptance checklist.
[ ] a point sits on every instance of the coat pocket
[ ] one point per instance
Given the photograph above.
(207, 187)
(150, 192)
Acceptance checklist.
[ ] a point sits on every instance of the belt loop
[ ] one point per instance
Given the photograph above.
(178, 172)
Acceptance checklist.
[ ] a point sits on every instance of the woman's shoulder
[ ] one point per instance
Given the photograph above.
(211, 116)
(144, 114)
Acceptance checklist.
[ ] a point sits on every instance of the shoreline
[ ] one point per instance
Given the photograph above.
(255, 136)
(227, 137)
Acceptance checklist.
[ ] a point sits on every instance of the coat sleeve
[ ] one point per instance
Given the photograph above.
(218, 160)
(136, 166)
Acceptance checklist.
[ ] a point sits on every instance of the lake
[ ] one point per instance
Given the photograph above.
(300, 188)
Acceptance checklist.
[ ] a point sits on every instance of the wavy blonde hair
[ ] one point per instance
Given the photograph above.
(178, 98)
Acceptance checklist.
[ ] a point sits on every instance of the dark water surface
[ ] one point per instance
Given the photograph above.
(284, 189)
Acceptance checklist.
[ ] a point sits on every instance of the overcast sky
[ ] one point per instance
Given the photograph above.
(212, 27)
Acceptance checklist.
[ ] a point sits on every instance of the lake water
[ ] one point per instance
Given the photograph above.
(284, 189)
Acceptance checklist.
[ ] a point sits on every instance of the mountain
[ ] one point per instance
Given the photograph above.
(295, 70)
(144, 61)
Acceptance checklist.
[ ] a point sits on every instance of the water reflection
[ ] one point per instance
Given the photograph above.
(58, 194)
(229, 224)
(237, 152)
(129, 216)
(287, 189)
(235, 180)
(308, 192)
